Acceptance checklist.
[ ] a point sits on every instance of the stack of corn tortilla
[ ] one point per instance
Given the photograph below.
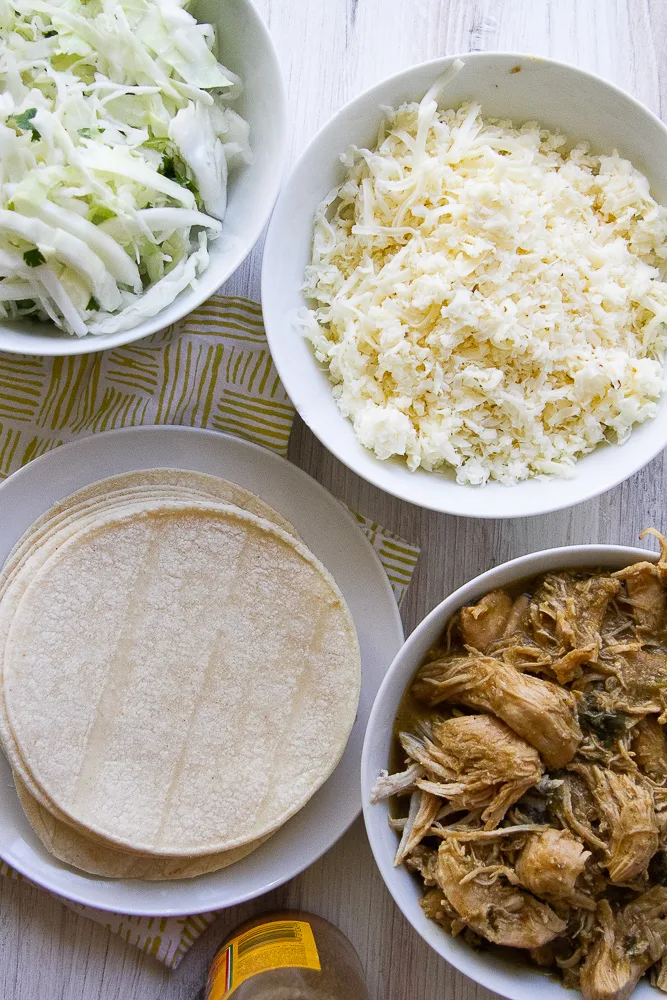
(178, 674)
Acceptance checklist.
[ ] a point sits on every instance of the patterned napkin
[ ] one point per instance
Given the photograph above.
(211, 370)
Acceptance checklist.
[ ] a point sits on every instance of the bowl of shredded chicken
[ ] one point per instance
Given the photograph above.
(484, 292)
(520, 813)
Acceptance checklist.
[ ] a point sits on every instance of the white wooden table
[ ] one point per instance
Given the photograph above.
(330, 51)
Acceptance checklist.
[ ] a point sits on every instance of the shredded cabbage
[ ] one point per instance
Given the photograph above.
(115, 145)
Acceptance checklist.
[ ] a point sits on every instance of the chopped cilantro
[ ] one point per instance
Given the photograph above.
(24, 123)
(34, 257)
(168, 169)
(50, 33)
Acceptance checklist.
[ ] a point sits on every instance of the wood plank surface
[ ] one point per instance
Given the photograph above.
(330, 51)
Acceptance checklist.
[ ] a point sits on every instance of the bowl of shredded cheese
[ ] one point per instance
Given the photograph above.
(465, 285)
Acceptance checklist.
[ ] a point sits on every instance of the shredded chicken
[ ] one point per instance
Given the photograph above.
(396, 784)
(650, 750)
(423, 810)
(535, 761)
(646, 594)
(645, 585)
(632, 939)
(569, 612)
(643, 679)
(591, 601)
(518, 619)
(499, 912)
(487, 765)
(543, 713)
(634, 828)
(425, 861)
(550, 864)
(627, 816)
(484, 623)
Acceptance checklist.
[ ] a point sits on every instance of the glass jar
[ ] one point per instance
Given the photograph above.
(290, 955)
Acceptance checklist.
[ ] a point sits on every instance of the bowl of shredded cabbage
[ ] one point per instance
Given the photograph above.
(465, 285)
(142, 146)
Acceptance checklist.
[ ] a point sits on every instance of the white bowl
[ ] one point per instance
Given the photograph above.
(557, 95)
(487, 968)
(244, 46)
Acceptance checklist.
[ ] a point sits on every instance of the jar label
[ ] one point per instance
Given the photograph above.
(279, 944)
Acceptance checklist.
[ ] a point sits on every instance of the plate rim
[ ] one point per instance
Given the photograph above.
(158, 908)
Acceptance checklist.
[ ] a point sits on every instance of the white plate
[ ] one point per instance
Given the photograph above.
(333, 535)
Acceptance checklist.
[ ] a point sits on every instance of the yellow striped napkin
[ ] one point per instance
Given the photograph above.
(212, 370)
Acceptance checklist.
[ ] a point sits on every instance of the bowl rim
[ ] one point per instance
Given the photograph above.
(370, 471)
(65, 345)
(465, 959)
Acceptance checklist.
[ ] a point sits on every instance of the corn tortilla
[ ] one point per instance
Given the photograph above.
(13, 585)
(74, 512)
(115, 487)
(181, 678)
(76, 849)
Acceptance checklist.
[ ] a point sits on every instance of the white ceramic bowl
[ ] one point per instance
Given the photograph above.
(246, 47)
(557, 95)
(487, 968)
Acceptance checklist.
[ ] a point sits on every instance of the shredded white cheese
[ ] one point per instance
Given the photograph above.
(486, 298)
